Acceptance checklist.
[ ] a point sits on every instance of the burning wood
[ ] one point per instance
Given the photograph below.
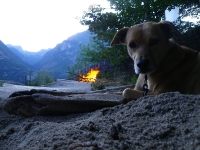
(90, 77)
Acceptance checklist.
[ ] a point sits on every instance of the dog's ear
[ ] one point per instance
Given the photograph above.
(119, 37)
(169, 29)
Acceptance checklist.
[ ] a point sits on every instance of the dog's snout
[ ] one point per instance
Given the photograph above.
(143, 63)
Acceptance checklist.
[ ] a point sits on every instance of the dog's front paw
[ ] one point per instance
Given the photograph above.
(131, 94)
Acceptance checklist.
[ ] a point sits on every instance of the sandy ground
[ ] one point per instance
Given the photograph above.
(167, 121)
(60, 85)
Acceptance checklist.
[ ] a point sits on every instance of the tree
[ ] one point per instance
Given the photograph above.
(105, 24)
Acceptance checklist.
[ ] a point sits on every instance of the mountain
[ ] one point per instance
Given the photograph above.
(64, 54)
(29, 57)
(11, 66)
(17, 64)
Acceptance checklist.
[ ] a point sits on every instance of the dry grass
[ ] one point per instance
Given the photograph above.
(101, 83)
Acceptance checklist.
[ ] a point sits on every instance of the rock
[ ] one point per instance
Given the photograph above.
(43, 102)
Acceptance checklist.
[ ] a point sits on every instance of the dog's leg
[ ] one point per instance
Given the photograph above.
(132, 94)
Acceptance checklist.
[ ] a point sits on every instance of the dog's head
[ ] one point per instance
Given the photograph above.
(147, 43)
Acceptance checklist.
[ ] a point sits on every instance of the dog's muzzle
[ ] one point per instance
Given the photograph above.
(142, 66)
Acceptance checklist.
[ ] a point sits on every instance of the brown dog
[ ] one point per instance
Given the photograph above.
(169, 66)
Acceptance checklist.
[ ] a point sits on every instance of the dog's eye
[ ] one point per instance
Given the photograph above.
(154, 42)
(132, 45)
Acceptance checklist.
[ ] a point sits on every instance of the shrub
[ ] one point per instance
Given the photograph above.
(98, 85)
(133, 79)
(1, 83)
(43, 78)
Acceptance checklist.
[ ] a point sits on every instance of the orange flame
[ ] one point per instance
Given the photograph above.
(90, 77)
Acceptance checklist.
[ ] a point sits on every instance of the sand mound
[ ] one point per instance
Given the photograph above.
(166, 121)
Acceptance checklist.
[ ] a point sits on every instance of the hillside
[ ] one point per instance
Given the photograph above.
(11, 66)
(16, 63)
(64, 54)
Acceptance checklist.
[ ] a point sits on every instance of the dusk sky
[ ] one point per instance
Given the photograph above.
(41, 24)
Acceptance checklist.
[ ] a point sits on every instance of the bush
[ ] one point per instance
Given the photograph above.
(133, 79)
(98, 85)
(112, 79)
(1, 83)
(43, 78)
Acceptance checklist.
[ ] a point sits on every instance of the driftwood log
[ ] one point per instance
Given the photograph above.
(43, 102)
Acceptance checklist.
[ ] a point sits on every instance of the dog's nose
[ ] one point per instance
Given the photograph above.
(143, 63)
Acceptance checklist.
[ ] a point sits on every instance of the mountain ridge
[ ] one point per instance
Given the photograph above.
(29, 57)
(14, 60)
(11, 66)
(63, 54)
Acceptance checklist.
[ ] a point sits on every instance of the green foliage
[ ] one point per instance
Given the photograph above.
(43, 77)
(98, 85)
(127, 13)
(105, 24)
(133, 79)
(112, 79)
(1, 83)
(106, 75)
(193, 11)
(98, 51)
(137, 11)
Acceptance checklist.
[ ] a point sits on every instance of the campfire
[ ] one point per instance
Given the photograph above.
(90, 77)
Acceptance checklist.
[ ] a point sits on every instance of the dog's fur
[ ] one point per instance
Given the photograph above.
(169, 66)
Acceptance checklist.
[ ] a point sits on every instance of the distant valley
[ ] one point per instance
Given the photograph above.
(63, 55)
(29, 57)
(17, 64)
